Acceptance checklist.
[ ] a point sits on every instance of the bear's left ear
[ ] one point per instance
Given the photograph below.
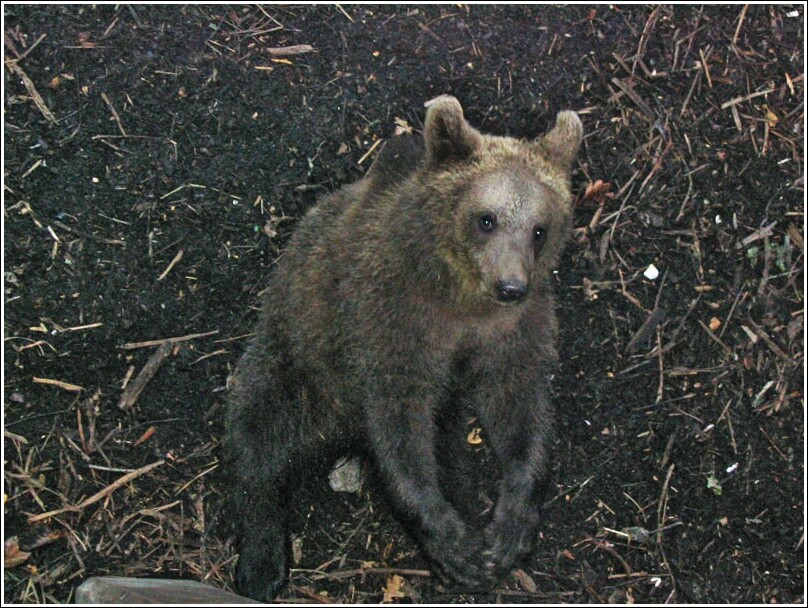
(447, 135)
(560, 145)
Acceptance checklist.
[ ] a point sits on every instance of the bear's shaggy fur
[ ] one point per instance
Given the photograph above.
(402, 299)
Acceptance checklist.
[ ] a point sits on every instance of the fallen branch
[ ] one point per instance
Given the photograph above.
(86, 234)
(285, 51)
(632, 94)
(133, 390)
(114, 113)
(32, 92)
(760, 233)
(118, 483)
(340, 574)
(718, 340)
(737, 100)
(176, 259)
(769, 342)
(65, 385)
(148, 343)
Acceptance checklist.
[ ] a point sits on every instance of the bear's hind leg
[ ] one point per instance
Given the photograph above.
(262, 565)
(265, 421)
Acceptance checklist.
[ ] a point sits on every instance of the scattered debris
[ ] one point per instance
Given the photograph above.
(346, 476)
(651, 273)
(133, 133)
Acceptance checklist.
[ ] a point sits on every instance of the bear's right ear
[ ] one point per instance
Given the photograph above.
(447, 135)
(562, 142)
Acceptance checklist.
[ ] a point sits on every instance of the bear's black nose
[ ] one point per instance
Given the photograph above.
(511, 291)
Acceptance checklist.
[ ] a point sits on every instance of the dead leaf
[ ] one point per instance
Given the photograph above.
(790, 83)
(525, 581)
(796, 236)
(598, 191)
(771, 117)
(13, 555)
(297, 550)
(402, 127)
(269, 230)
(637, 534)
(475, 436)
(84, 40)
(794, 327)
(393, 589)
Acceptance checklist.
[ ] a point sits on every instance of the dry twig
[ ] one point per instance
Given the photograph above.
(32, 92)
(118, 483)
(148, 343)
(133, 390)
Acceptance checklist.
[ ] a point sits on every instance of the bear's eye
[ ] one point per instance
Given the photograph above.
(487, 222)
(539, 232)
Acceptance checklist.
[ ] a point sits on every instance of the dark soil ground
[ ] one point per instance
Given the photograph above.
(157, 158)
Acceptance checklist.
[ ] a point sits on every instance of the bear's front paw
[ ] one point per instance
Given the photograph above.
(457, 551)
(261, 571)
(509, 538)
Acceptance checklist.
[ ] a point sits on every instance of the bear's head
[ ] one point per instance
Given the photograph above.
(507, 207)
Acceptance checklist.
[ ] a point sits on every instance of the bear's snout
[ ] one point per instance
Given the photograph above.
(510, 291)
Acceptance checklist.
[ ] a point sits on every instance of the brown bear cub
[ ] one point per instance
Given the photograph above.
(401, 300)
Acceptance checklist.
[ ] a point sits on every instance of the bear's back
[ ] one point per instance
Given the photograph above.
(399, 158)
